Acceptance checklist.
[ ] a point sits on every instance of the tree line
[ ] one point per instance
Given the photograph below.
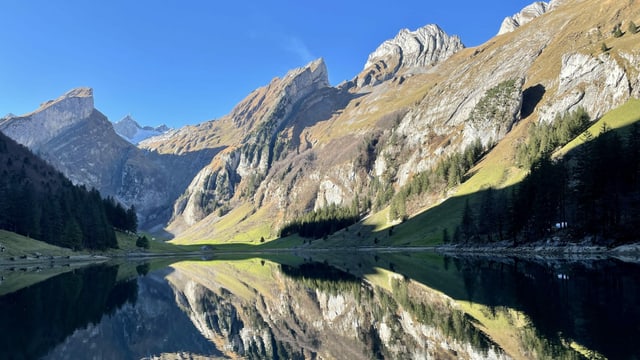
(322, 222)
(39, 202)
(593, 191)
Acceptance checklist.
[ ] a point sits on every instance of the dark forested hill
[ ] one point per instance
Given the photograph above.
(39, 202)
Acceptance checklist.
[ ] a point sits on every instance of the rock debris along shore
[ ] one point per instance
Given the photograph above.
(542, 248)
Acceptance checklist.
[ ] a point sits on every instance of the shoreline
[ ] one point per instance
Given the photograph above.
(505, 248)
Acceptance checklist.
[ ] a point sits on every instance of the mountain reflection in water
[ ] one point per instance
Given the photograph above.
(331, 305)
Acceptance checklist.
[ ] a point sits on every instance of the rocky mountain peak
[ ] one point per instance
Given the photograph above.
(295, 85)
(312, 76)
(527, 14)
(127, 127)
(51, 118)
(424, 47)
(82, 98)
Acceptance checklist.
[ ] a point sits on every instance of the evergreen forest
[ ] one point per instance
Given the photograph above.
(592, 192)
(37, 201)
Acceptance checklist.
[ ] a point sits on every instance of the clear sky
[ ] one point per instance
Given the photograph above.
(189, 61)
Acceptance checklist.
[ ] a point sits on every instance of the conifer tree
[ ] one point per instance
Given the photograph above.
(468, 223)
(617, 32)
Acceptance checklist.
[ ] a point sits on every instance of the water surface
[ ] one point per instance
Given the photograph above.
(329, 305)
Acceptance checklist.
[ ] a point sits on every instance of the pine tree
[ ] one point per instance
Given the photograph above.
(617, 32)
(72, 235)
(142, 242)
(487, 217)
(467, 227)
(131, 219)
(445, 236)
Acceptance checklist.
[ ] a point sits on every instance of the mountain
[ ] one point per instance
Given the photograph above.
(426, 119)
(393, 125)
(131, 131)
(78, 140)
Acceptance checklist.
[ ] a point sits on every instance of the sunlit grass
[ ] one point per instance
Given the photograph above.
(241, 225)
(18, 245)
(127, 245)
(618, 118)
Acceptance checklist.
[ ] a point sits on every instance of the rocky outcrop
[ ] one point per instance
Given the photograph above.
(495, 113)
(425, 47)
(527, 14)
(597, 84)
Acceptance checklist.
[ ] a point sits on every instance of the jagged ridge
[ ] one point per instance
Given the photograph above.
(422, 48)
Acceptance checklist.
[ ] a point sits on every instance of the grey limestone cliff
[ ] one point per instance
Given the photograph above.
(527, 14)
(422, 48)
(597, 84)
(50, 119)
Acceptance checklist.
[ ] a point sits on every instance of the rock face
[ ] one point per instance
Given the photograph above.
(80, 142)
(422, 48)
(264, 114)
(527, 14)
(131, 131)
(597, 84)
(51, 119)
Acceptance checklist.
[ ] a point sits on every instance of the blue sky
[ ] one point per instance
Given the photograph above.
(185, 62)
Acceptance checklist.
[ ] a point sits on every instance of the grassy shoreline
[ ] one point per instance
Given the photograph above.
(20, 251)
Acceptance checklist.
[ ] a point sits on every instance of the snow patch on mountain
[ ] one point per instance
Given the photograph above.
(131, 131)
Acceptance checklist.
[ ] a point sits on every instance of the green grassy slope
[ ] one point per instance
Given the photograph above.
(17, 246)
(618, 118)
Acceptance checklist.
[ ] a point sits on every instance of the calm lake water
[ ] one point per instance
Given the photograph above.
(326, 305)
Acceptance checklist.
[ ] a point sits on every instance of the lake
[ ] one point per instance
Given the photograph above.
(350, 305)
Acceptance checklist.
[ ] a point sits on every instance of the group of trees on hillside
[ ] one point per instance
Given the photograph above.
(38, 202)
(323, 222)
(592, 191)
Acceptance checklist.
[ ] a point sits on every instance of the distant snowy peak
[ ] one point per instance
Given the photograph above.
(131, 131)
